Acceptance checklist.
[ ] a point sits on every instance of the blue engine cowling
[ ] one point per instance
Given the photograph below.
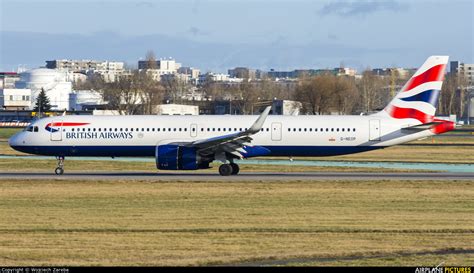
(175, 157)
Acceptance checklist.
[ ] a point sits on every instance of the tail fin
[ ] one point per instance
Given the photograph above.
(419, 96)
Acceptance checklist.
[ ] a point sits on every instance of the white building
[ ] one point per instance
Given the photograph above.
(109, 70)
(84, 99)
(160, 68)
(286, 107)
(466, 70)
(176, 109)
(53, 82)
(15, 99)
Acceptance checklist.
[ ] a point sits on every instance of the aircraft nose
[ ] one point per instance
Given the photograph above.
(14, 140)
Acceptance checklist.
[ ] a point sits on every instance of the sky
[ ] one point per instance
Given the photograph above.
(219, 34)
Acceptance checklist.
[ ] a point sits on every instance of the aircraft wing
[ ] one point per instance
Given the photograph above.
(232, 143)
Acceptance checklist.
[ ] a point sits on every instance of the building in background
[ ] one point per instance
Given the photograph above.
(286, 107)
(8, 79)
(176, 109)
(462, 69)
(15, 99)
(85, 100)
(74, 68)
(54, 83)
(160, 67)
(243, 73)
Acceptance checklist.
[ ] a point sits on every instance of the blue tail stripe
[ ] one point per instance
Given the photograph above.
(428, 96)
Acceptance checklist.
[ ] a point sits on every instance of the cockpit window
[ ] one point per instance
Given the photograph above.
(29, 128)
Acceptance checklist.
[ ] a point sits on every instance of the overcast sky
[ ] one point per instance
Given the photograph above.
(401, 32)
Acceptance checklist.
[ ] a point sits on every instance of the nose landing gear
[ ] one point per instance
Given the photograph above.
(60, 169)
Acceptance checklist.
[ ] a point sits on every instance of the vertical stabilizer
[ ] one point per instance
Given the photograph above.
(419, 96)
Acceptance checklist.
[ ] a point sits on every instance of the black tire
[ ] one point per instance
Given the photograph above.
(225, 170)
(59, 171)
(235, 168)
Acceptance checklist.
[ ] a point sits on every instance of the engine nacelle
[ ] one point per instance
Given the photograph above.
(175, 157)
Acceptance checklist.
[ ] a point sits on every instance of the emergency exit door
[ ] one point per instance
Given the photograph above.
(276, 131)
(374, 130)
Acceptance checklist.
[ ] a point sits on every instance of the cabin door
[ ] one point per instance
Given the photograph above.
(374, 131)
(56, 130)
(276, 131)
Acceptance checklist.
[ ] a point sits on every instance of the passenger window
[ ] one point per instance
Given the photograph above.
(158, 129)
(208, 129)
(294, 129)
(337, 130)
(153, 129)
(202, 129)
(121, 129)
(289, 129)
(354, 129)
(327, 130)
(72, 129)
(115, 130)
(343, 129)
(148, 129)
(88, 129)
(305, 129)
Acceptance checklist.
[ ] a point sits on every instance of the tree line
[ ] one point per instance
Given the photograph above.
(139, 92)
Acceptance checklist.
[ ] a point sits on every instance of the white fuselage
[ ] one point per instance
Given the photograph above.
(282, 135)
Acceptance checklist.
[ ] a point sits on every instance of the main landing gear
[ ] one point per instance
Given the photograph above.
(229, 169)
(60, 169)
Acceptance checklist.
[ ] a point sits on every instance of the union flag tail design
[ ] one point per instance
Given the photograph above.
(419, 97)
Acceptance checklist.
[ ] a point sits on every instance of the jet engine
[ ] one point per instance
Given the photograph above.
(176, 157)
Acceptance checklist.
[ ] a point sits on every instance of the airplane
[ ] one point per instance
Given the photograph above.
(193, 142)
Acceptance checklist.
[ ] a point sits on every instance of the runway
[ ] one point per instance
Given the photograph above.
(254, 176)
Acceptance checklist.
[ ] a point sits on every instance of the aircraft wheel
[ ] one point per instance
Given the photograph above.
(225, 170)
(235, 168)
(59, 171)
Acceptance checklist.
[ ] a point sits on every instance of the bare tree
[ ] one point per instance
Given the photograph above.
(315, 93)
(151, 91)
(151, 60)
(370, 87)
(345, 94)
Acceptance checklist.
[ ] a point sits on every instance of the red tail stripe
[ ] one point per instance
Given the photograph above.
(433, 74)
(67, 124)
(443, 127)
(397, 112)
